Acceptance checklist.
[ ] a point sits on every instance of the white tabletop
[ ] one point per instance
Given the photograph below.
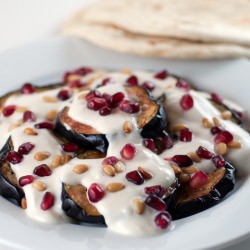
(25, 21)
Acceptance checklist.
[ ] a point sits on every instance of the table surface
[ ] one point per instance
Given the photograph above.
(26, 21)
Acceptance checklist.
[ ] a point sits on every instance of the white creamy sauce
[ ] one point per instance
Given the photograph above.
(117, 208)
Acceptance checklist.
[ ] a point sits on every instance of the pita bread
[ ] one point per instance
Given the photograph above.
(226, 21)
(120, 40)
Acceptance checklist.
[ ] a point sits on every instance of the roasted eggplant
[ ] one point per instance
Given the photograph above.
(76, 205)
(187, 201)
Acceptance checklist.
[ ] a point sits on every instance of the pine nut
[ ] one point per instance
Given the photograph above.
(226, 115)
(183, 178)
(82, 96)
(40, 156)
(23, 203)
(177, 169)
(126, 71)
(21, 109)
(221, 148)
(127, 127)
(73, 77)
(146, 175)
(190, 170)
(194, 157)
(176, 128)
(13, 126)
(119, 167)
(216, 121)
(57, 161)
(67, 158)
(30, 131)
(115, 187)
(51, 115)
(139, 206)
(109, 170)
(80, 168)
(39, 185)
(49, 99)
(206, 123)
(234, 144)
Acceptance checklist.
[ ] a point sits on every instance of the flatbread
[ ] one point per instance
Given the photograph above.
(123, 41)
(226, 21)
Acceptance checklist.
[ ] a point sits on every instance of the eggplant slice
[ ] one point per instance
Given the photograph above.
(187, 201)
(9, 187)
(77, 206)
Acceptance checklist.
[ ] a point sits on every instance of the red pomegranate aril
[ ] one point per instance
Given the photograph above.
(204, 153)
(27, 89)
(45, 125)
(111, 160)
(132, 80)
(198, 180)
(182, 160)
(161, 75)
(186, 135)
(93, 93)
(14, 157)
(29, 116)
(149, 143)
(27, 179)
(66, 76)
(153, 190)
(64, 95)
(83, 71)
(106, 96)
(216, 130)
(163, 220)
(105, 111)
(215, 97)
(223, 136)
(9, 110)
(129, 107)
(97, 103)
(128, 151)
(187, 102)
(148, 85)
(116, 99)
(70, 147)
(42, 170)
(182, 85)
(105, 81)
(135, 177)
(75, 84)
(218, 161)
(156, 203)
(95, 192)
(167, 142)
(48, 201)
(25, 148)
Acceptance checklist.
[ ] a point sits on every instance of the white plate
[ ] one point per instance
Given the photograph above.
(217, 227)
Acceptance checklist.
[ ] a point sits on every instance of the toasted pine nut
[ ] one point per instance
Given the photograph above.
(234, 144)
(109, 170)
(226, 115)
(67, 158)
(139, 206)
(221, 148)
(177, 169)
(176, 128)
(56, 162)
(80, 168)
(190, 170)
(119, 167)
(23, 203)
(73, 77)
(115, 187)
(82, 96)
(39, 185)
(49, 99)
(194, 157)
(40, 156)
(13, 126)
(206, 123)
(183, 178)
(126, 71)
(216, 121)
(21, 109)
(127, 127)
(146, 175)
(30, 131)
(51, 115)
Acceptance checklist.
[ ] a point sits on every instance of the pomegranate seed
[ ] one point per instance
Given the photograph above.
(106, 96)
(167, 142)
(148, 85)
(97, 103)
(182, 85)
(198, 179)
(128, 151)
(70, 147)
(218, 161)
(187, 102)
(132, 80)
(111, 160)
(95, 192)
(27, 89)
(156, 203)
(48, 201)
(83, 71)
(27, 179)
(105, 81)
(14, 157)
(185, 135)
(215, 97)
(161, 75)
(42, 170)
(223, 136)
(105, 111)
(64, 95)
(153, 190)
(149, 143)
(182, 160)
(204, 153)
(9, 110)
(25, 148)
(75, 84)
(66, 76)
(116, 99)
(135, 177)
(163, 220)
(29, 116)
(93, 93)
(129, 107)
(45, 125)
(216, 130)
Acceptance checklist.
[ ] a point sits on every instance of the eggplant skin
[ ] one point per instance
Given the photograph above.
(219, 191)
(77, 213)
(8, 190)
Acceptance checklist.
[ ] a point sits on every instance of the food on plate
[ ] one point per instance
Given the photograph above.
(127, 150)
(166, 28)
